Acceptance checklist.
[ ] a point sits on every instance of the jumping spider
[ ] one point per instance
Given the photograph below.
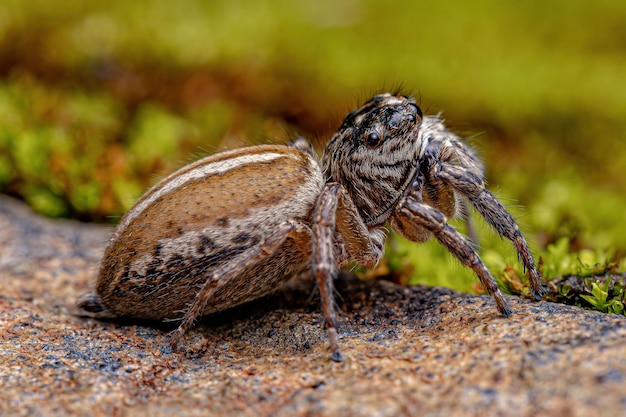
(237, 225)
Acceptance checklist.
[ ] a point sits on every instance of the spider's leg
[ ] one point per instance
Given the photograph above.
(323, 260)
(335, 215)
(472, 186)
(470, 228)
(301, 144)
(225, 273)
(413, 215)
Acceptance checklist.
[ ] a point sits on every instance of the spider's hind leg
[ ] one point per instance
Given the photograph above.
(222, 275)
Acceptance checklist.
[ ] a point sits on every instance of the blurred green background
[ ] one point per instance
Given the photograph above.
(100, 99)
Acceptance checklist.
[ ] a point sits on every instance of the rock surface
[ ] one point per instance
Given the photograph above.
(409, 351)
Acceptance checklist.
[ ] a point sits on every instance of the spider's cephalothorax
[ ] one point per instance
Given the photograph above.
(409, 170)
(375, 153)
(236, 225)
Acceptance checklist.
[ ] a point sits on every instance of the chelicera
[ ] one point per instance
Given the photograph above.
(237, 225)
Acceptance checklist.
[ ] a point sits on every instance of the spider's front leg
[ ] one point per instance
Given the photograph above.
(335, 213)
(413, 218)
(472, 186)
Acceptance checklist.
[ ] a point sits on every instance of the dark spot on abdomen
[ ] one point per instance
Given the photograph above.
(206, 244)
(242, 237)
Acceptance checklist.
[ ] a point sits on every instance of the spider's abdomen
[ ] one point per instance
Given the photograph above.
(204, 216)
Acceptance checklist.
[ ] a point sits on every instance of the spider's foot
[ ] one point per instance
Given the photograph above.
(537, 288)
(174, 338)
(336, 354)
(539, 292)
(503, 306)
(506, 311)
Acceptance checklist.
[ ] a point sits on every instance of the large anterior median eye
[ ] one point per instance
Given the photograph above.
(372, 140)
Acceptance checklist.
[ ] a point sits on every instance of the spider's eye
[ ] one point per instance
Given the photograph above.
(372, 140)
(418, 111)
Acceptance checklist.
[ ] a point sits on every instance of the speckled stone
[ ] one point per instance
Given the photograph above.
(409, 351)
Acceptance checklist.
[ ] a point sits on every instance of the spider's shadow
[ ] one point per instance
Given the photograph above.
(299, 294)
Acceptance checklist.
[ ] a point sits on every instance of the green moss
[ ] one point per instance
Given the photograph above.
(153, 133)
(601, 300)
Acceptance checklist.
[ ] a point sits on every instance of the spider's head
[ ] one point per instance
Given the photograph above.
(375, 154)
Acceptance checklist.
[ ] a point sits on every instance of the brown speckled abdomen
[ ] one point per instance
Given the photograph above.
(203, 216)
